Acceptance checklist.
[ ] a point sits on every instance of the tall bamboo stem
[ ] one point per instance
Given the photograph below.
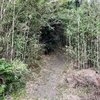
(13, 25)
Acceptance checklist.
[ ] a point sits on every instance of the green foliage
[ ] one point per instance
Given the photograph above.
(82, 33)
(12, 76)
(21, 26)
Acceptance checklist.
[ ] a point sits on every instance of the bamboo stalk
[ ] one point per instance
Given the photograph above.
(13, 25)
(2, 9)
(78, 41)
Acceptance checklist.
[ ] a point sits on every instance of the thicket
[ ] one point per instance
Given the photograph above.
(83, 34)
(12, 76)
(20, 23)
(28, 27)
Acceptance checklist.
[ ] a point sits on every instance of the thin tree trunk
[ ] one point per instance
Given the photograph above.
(97, 50)
(78, 41)
(13, 25)
(1, 14)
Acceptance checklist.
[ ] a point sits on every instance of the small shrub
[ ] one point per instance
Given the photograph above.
(12, 76)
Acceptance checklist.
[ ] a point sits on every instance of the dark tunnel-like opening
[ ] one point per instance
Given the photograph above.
(52, 37)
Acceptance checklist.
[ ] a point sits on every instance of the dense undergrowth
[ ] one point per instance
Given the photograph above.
(12, 76)
(30, 27)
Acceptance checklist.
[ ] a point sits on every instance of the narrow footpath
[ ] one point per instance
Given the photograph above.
(46, 86)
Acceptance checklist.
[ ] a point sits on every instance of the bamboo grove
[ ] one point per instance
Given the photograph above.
(21, 22)
(83, 32)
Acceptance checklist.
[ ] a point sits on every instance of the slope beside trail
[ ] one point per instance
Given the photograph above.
(45, 87)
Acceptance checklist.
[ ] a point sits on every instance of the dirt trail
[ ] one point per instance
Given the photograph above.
(46, 86)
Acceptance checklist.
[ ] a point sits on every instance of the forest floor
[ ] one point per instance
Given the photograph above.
(50, 83)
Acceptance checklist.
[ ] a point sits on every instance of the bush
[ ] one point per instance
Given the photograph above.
(12, 76)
